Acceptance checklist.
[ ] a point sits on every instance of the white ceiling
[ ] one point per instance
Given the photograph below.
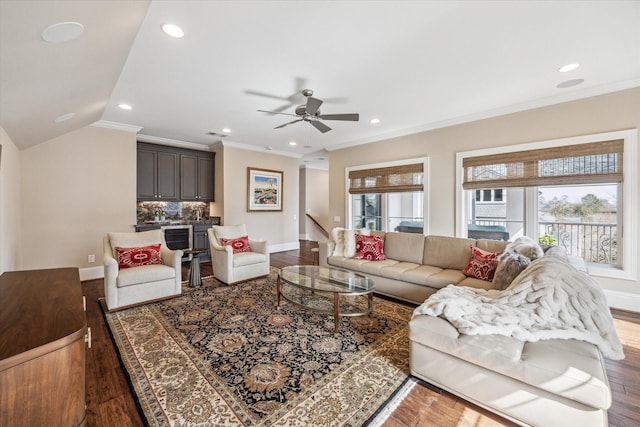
(415, 65)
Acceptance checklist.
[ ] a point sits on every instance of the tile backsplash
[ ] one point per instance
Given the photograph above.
(146, 211)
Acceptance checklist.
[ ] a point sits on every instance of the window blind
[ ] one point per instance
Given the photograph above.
(387, 180)
(593, 163)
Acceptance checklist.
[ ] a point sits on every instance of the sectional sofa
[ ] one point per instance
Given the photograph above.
(546, 382)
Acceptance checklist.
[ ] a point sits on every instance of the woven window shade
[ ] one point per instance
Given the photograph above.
(387, 180)
(594, 163)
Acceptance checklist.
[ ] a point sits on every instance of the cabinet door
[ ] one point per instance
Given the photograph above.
(167, 176)
(188, 177)
(147, 172)
(205, 179)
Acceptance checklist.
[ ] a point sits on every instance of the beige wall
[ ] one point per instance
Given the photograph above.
(280, 228)
(10, 204)
(615, 111)
(314, 200)
(75, 188)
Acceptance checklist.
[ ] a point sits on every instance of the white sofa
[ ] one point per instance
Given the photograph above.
(131, 286)
(416, 265)
(553, 382)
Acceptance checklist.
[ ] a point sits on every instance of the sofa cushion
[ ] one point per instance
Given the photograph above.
(372, 267)
(472, 282)
(344, 262)
(569, 368)
(144, 274)
(447, 252)
(491, 245)
(482, 264)
(420, 275)
(397, 270)
(444, 278)
(370, 248)
(404, 247)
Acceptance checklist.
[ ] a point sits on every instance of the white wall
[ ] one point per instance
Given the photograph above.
(10, 204)
(279, 228)
(314, 200)
(605, 113)
(76, 188)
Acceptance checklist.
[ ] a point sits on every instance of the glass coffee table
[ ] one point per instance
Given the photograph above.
(327, 290)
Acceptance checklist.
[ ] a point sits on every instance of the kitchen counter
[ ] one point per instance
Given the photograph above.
(152, 225)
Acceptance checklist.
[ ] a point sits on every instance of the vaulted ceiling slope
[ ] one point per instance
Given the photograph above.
(414, 65)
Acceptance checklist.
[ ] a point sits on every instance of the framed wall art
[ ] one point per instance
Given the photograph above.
(264, 188)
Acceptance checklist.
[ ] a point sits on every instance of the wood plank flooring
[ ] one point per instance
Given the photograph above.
(111, 403)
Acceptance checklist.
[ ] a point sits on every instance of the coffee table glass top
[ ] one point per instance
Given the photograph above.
(325, 279)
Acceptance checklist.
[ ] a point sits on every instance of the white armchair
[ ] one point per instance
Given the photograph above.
(124, 287)
(232, 268)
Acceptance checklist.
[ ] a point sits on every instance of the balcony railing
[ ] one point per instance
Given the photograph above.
(593, 242)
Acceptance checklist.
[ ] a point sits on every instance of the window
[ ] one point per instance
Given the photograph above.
(573, 190)
(388, 197)
(489, 195)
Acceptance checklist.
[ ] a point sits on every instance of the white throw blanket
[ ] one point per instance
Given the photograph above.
(548, 300)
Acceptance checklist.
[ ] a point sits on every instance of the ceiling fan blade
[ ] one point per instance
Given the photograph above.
(266, 95)
(312, 105)
(320, 126)
(348, 117)
(287, 124)
(276, 112)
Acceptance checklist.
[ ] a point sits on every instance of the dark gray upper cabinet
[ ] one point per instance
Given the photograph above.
(157, 175)
(169, 173)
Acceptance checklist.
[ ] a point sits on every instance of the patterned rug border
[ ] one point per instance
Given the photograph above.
(400, 383)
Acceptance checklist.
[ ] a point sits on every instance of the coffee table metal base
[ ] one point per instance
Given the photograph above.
(304, 297)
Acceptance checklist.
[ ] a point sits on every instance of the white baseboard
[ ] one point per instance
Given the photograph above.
(303, 237)
(281, 247)
(623, 300)
(91, 273)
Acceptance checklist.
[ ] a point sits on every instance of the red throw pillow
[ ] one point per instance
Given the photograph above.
(370, 247)
(240, 244)
(135, 257)
(482, 264)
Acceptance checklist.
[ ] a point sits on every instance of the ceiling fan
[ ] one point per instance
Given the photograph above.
(310, 112)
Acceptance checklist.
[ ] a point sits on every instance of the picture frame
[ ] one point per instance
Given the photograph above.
(264, 190)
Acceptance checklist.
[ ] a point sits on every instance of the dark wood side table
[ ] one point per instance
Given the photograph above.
(195, 280)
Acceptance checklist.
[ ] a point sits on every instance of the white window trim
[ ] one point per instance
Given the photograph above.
(630, 197)
(425, 184)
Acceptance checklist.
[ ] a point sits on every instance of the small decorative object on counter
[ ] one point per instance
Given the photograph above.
(162, 216)
(156, 216)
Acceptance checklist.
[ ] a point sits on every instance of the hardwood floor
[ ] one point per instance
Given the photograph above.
(111, 403)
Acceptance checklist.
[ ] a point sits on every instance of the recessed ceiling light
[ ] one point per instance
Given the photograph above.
(568, 67)
(64, 117)
(62, 32)
(569, 83)
(374, 121)
(226, 130)
(292, 143)
(308, 146)
(268, 148)
(125, 106)
(173, 31)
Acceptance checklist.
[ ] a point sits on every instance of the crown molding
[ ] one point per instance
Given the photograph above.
(117, 126)
(173, 142)
(248, 147)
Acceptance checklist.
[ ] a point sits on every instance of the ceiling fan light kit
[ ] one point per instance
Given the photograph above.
(310, 112)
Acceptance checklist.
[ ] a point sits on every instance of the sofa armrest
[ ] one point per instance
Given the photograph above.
(170, 257)
(260, 246)
(325, 249)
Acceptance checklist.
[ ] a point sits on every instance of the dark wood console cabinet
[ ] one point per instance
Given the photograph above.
(42, 348)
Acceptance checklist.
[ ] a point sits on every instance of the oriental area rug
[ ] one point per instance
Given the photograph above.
(225, 355)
